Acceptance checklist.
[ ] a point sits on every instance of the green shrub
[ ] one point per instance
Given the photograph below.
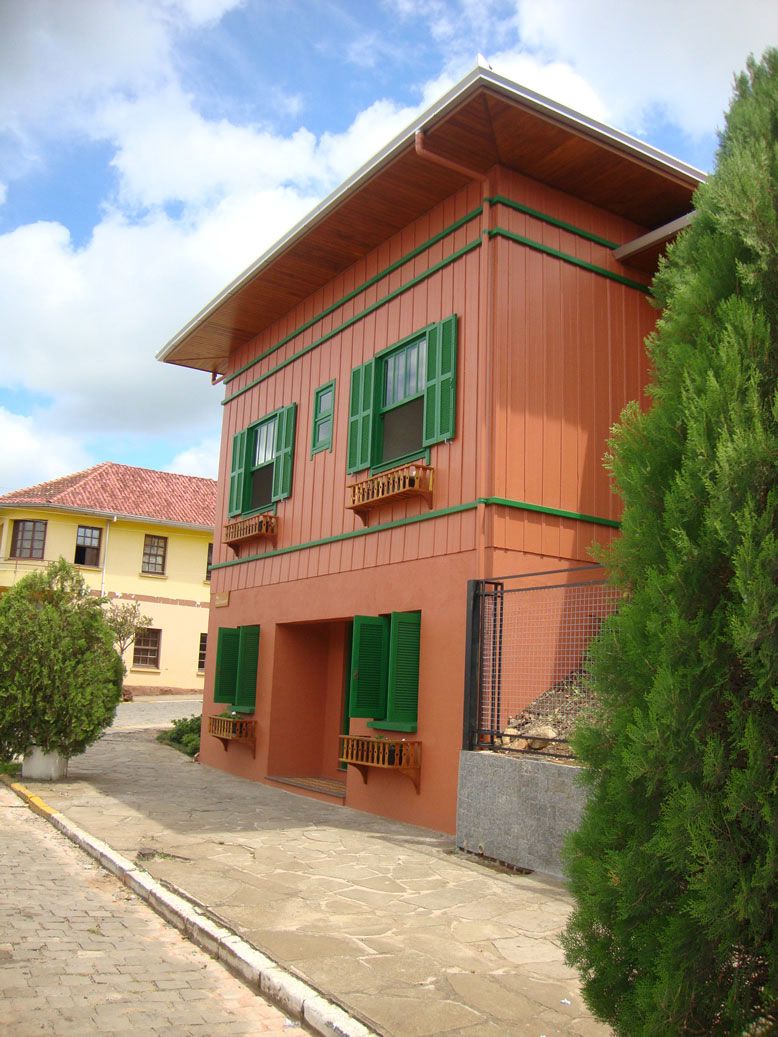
(60, 676)
(674, 866)
(184, 735)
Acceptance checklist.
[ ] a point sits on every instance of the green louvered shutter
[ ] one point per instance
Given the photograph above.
(440, 392)
(248, 660)
(402, 703)
(369, 659)
(237, 468)
(360, 419)
(226, 665)
(284, 455)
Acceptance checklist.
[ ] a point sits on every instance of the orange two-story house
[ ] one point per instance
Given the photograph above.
(419, 382)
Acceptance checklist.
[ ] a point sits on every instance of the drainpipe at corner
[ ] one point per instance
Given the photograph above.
(105, 557)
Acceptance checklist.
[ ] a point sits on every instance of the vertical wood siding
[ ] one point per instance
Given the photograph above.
(565, 356)
(316, 508)
(568, 355)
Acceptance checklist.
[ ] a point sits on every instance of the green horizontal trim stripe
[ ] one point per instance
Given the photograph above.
(500, 199)
(397, 523)
(363, 287)
(500, 232)
(357, 317)
(524, 506)
(350, 535)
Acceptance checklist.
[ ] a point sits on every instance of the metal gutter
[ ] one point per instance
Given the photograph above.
(479, 76)
(112, 515)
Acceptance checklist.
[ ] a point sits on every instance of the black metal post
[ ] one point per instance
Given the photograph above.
(472, 663)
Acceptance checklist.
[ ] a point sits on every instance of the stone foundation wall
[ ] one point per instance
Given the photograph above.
(517, 809)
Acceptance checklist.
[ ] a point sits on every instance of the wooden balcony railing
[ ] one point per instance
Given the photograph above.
(234, 729)
(250, 528)
(410, 480)
(392, 754)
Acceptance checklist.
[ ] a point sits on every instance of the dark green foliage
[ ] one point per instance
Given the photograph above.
(60, 676)
(184, 735)
(674, 867)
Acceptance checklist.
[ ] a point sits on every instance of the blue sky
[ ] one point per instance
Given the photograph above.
(150, 150)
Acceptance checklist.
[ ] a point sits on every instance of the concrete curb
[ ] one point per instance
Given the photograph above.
(263, 975)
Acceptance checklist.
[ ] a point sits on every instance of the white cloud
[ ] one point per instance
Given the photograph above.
(166, 151)
(675, 57)
(38, 452)
(554, 79)
(55, 56)
(201, 459)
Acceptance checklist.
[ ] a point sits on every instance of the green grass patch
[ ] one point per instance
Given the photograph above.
(11, 767)
(184, 735)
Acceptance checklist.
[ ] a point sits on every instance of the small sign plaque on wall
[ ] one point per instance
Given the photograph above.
(220, 599)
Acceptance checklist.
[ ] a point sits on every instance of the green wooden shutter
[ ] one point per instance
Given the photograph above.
(402, 703)
(226, 665)
(284, 454)
(248, 660)
(360, 421)
(369, 658)
(237, 468)
(440, 392)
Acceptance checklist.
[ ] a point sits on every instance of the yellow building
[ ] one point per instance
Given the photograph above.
(134, 534)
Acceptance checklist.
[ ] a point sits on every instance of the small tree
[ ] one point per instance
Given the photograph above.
(674, 866)
(60, 676)
(125, 620)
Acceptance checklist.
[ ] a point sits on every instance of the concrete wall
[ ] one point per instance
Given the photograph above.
(517, 809)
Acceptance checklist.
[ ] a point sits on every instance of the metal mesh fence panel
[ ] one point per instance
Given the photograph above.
(533, 681)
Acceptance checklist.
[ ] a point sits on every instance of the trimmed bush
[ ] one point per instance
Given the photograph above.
(184, 735)
(60, 676)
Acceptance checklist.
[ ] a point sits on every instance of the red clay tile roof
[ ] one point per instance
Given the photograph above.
(118, 489)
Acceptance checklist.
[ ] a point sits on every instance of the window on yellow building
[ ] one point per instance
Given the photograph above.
(28, 539)
(147, 648)
(154, 555)
(87, 545)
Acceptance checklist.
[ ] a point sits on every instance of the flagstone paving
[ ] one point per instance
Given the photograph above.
(384, 918)
(80, 955)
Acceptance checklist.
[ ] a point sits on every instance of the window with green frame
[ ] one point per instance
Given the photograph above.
(403, 400)
(237, 660)
(384, 678)
(262, 462)
(323, 413)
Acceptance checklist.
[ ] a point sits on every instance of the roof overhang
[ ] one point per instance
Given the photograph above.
(485, 120)
(107, 516)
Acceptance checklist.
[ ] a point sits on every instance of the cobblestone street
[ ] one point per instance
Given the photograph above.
(80, 956)
(155, 711)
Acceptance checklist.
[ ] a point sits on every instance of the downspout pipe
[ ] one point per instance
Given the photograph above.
(105, 557)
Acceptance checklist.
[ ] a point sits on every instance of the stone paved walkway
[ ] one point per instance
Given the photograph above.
(383, 918)
(80, 956)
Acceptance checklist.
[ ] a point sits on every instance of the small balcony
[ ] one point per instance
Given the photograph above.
(403, 483)
(252, 528)
(392, 754)
(237, 729)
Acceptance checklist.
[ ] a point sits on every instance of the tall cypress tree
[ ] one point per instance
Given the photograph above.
(674, 867)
